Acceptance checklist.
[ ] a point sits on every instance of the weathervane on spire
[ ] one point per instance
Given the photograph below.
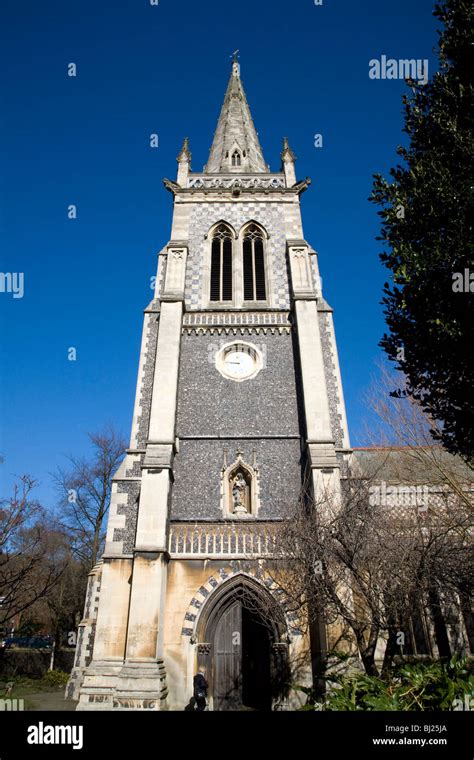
(235, 63)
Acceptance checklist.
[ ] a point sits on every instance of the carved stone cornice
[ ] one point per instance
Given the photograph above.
(209, 182)
(237, 323)
(223, 185)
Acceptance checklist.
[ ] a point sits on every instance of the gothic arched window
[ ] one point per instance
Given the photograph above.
(236, 160)
(221, 264)
(254, 265)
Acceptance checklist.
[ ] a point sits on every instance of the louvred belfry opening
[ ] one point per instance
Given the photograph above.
(221, 265)
(254, 265)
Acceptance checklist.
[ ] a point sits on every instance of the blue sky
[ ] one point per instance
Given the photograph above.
(163, 69)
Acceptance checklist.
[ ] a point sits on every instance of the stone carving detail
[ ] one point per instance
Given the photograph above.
(299, 269)
(175, 271)
(257, 183)
(240, 494)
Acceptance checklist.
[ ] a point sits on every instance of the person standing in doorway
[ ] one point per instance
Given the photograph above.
(200, 690)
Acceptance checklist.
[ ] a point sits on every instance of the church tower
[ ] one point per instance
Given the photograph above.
(239, 402)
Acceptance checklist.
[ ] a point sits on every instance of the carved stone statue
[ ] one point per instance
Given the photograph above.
(239, 492)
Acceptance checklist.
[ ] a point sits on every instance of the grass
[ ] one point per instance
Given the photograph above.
(51, 682)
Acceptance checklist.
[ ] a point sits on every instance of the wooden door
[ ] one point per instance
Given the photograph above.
(228, 660)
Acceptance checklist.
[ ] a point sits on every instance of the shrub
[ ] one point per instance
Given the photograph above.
(420, 686)
(56, 678)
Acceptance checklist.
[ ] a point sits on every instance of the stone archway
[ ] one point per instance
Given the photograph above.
(241, 630)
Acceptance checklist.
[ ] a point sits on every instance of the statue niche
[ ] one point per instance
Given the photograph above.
(240, 487)
(240, 491)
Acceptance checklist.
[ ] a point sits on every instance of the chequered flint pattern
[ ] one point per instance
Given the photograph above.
(204, 215)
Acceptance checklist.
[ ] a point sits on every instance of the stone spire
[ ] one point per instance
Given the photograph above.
(235, 147)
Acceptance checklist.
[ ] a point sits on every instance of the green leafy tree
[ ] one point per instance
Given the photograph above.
(427, 213)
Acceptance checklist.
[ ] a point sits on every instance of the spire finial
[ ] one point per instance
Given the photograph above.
(185, 153)
(287, 154)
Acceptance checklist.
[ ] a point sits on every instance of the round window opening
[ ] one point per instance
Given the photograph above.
(239, 361)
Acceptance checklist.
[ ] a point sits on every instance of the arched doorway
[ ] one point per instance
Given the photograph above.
(245, 660)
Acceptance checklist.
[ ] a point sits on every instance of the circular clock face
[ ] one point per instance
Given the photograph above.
(238, 361)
